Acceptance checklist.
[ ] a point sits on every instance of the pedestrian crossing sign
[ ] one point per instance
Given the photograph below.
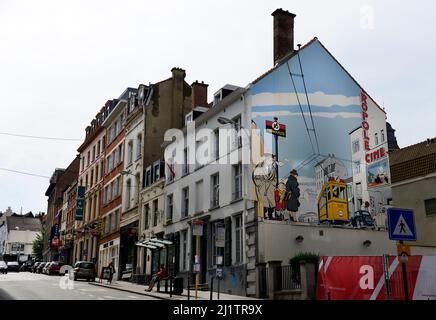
(401, 223)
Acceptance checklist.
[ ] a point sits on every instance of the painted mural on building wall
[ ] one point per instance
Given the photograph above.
(378, 173)
(319, 111)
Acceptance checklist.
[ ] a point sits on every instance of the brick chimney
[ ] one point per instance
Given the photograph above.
(199, 94)
(283, 33)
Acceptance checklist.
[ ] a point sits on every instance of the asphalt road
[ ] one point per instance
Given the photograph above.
(31, 286)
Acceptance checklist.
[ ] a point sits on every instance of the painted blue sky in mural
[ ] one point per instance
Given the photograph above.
(335, 106)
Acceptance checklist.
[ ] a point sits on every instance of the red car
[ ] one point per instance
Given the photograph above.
(54, 267)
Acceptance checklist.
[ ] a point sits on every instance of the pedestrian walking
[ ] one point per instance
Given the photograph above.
(111, 272)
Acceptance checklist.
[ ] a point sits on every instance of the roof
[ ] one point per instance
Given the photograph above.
(295, 52)
(23, 223)
(413, 161)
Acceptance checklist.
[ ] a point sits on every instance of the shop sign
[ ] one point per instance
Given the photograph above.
(275, 128)
(80, 203)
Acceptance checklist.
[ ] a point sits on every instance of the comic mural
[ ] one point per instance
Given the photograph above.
(319, 111)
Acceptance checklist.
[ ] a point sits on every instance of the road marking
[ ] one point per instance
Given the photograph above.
(132, 297)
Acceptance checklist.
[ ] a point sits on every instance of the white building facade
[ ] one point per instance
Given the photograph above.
(207, 181)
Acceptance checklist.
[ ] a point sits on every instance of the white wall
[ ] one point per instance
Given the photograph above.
(277, 241)
(23, 237)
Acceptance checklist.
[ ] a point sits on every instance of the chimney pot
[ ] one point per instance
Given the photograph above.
(283, 33)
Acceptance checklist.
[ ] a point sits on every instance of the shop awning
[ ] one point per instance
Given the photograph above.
(154, 243)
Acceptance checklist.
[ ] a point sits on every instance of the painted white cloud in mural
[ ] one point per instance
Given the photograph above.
(318, 98)
(284, 113)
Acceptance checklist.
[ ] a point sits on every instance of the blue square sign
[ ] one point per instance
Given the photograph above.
(401, 224)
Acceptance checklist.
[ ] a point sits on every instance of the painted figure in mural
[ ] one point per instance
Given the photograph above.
(264, 178)
(280, 195)
(381, 177)
(293, 193)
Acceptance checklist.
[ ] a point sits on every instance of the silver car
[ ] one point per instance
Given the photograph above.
(84, 270)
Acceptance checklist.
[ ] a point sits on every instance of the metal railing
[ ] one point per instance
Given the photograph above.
(290, 278)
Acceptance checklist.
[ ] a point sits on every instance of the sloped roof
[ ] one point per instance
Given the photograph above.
(295, 52)
(23, 223)
(413, 161)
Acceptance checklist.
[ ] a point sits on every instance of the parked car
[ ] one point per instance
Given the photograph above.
(53, 267)
(35, 266)
(84, 270)
(13, 266)
(362, 219)
(3, 267)
(40, 267)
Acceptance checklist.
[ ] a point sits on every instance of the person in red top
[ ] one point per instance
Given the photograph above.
(158, 276)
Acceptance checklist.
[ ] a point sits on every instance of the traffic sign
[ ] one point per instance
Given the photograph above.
(401, 224)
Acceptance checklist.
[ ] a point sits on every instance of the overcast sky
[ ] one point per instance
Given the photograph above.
(61, 60)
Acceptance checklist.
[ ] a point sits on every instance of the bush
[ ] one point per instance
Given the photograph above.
(304, 256)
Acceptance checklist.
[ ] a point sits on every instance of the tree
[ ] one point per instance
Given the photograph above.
(38, 246)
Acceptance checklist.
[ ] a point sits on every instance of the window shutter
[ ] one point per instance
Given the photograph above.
(228, 245)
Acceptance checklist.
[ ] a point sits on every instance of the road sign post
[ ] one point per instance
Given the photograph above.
(401, 225)
(197, 232)
(276, 129)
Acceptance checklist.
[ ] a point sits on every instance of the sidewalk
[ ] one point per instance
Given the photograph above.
(140, 289)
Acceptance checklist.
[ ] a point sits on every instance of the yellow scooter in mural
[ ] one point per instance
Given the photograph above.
(333, 203)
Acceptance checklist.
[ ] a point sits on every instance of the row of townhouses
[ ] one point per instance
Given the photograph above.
(168, 177)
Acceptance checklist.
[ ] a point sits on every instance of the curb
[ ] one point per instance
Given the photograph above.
(130, 291)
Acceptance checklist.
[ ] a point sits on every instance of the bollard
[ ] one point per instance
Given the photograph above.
(219, 288)
(171, 287)
(211, 288)
(189, 291)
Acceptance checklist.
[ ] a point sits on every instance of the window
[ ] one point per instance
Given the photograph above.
(118, 188)
(356, 146)
(199, 196)
(185, 202)
(156, 171)
(356, 165)
(237, 182)
(93, 153)
(185, 162)
(155, 212)
(184, 247)
(108, 164)
(120, 152)
(376, 138)
(147, 216)
(101, 169)
(170, 206)
(108, 223)
(216, 142)
(128, 194)
(83, 163)
(430, 207)
(358, 189)
(139, 146)
(148, 176)
(92, 178)
(382, 136)
(98, 147)
(238, 137)
(137, 187)
(89, 156)
(115, 129)
(114, 163)
(238, 239)
(215, 184)
(129, 153)
(106, 195)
